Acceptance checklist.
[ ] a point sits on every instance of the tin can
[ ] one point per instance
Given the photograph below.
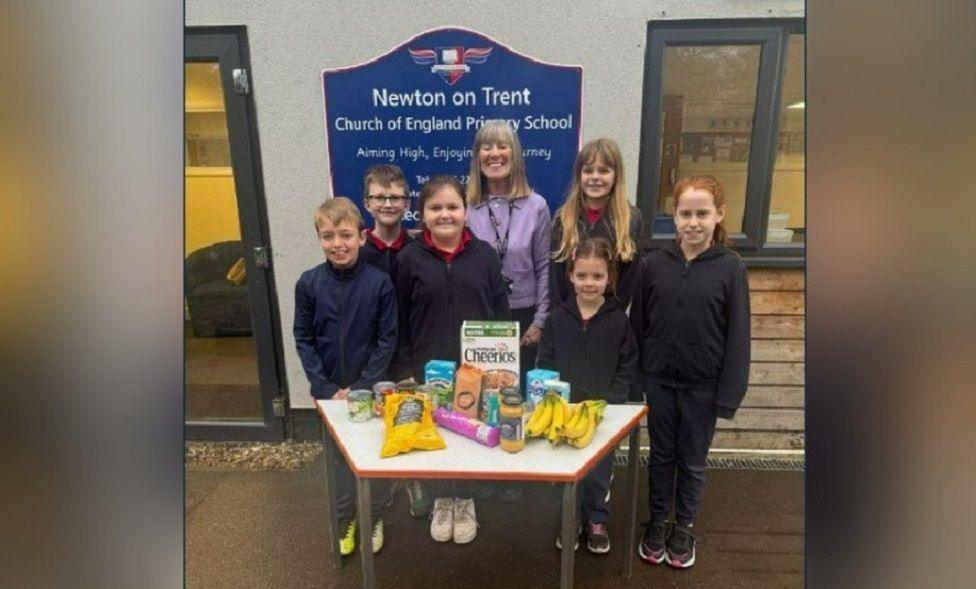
(360, 405)
(380, 391)
(429, 392)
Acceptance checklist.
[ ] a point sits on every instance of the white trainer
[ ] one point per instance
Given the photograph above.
(442, 519)
(465, 521)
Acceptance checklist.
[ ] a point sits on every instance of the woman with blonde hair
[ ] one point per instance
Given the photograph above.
(597, 206)
(504, 211)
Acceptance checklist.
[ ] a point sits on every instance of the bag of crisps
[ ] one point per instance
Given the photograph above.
(409, 425)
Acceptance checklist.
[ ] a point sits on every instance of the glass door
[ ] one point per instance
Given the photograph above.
(231, 376)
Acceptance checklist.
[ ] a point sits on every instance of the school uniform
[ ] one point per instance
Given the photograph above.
(376, 253)
(693, 327)
(598, 225)
(345, 331)
(598, 358)
(522, 229)
(436, 292)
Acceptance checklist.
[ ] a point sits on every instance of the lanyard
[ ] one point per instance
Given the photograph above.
(501, 245)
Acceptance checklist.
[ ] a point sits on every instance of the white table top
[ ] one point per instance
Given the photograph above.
(463, 458)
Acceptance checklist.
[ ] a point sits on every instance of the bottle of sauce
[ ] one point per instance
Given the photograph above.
(512, 436)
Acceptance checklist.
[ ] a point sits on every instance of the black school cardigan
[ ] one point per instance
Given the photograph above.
(434, 297)
(598, 359)
(692, 319)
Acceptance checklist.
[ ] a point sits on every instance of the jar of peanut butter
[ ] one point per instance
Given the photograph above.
(512, 438)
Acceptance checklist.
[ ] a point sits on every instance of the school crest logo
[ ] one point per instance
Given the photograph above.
(450, 63)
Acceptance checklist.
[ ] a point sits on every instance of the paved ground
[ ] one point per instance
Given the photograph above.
(267, 529)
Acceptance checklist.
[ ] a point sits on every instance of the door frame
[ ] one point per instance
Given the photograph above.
(228, 46)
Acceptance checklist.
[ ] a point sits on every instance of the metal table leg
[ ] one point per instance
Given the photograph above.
(365, 532)
(568, 538)
(330, 496)
(631, 515)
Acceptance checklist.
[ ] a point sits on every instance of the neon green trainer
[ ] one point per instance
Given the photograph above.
(347, 542)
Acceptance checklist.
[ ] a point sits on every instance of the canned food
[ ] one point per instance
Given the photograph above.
(380, 391)
(360, 405)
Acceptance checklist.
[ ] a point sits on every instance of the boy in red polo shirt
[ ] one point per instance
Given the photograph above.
(387, 198)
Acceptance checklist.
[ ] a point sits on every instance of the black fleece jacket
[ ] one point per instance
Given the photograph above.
(691, 320)
(560, 289)
(599, 359)
(434, 297)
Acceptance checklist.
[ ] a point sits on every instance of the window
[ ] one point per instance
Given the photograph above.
(726, 98)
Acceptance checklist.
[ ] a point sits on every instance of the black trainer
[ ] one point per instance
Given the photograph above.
(652, 548)
(579, 532)
(681, 547)
(597, 538)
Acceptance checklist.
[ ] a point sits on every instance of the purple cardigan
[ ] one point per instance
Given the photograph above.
(527, 259)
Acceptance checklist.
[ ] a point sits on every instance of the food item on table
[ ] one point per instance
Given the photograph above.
(492, 346)
(560, 386)
(534, 389)
(489, 406)
(408, 385)
(409, 425)
(360, 405)
(380, 392)
(500, 379)
(559, 421)
(511, 434)
(439, 375)
(468, 427)
(467, 390)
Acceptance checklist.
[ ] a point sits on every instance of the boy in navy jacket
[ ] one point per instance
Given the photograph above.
(346, 333)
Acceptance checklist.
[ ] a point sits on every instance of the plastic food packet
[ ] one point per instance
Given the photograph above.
(470, 428)
(409, 425)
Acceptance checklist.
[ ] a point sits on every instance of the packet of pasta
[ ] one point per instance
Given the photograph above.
(409, 425)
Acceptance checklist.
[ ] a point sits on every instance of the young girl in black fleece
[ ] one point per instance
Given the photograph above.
(587, 338)
(691, 318)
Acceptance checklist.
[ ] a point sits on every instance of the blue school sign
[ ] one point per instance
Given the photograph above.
(419, 106)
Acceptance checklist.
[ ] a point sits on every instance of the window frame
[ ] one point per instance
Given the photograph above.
(772, 36)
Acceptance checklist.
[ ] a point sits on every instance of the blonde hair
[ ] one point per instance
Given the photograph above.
(618, 209)
(497, 131)
(337, 210)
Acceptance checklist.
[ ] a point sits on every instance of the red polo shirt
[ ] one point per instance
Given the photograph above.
(448, 256)
(396, 246)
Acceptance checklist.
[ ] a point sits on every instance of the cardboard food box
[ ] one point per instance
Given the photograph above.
(467, 390)
(534, 389)
(439, 374)
(492, 346)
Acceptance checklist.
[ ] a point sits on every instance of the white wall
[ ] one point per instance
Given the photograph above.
(292, 41)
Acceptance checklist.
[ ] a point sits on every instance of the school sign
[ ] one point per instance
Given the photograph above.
(419, 106)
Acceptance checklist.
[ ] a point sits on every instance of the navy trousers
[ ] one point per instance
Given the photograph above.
(681, 424)
(380, 491)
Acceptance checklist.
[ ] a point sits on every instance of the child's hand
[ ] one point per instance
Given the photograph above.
(341, 394)
(532, 336)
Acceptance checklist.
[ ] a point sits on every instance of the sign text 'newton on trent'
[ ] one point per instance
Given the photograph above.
(489, 96)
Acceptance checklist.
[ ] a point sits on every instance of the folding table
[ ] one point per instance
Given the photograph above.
(360, 444)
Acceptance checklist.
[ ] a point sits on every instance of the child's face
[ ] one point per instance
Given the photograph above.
(387, 204)
(695, 217)
(589, 278)
(495, 160)
(597, 178)
(340, 242)
(444, 214)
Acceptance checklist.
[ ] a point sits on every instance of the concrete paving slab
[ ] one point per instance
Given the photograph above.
(268, 529)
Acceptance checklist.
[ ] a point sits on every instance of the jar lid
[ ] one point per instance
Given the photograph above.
(512, 399)
(360, 395)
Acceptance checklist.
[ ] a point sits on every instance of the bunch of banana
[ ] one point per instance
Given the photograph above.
(578, 431)
(548, 417)
(559, 421)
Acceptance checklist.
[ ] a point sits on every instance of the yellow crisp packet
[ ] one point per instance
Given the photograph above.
(409, 425)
